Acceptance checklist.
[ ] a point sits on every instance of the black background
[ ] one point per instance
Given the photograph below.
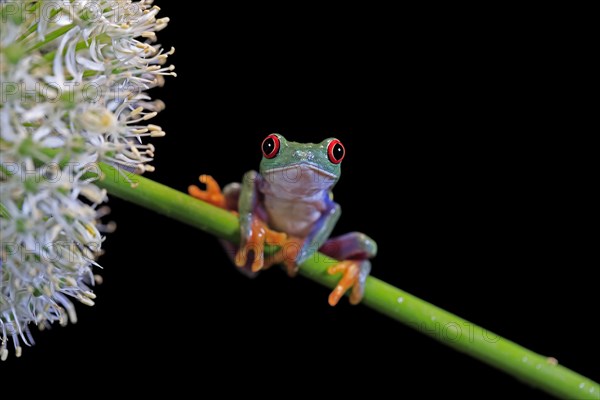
(449, 168)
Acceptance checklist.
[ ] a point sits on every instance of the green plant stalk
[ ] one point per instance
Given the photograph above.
(537, 370)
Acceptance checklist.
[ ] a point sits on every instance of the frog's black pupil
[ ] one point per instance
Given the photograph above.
(268, 146)
(338, 151)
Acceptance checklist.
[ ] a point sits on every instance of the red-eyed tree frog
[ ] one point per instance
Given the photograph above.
(289, 204)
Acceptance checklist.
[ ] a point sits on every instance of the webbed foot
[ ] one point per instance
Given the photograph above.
(254, 242)
(287, 255)
(212, 194)
(354, 276)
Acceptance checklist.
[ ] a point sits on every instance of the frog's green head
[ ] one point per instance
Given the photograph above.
(301, 168)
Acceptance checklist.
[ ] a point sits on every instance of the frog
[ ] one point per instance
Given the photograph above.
(289, 203)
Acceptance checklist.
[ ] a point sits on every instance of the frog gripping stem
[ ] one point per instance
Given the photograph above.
(258, 235)
(212, 194)
(288, 203)
(354, 275)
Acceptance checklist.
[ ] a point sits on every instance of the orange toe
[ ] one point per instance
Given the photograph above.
(212, 194)
(350, 270)
(287, 254)
(255, 243)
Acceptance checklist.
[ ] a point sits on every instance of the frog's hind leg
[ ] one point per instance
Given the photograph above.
(212, 194)
(353, 245)
(354, 249)
(227, 199)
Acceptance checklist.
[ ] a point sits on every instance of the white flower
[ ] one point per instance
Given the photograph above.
(74, 76)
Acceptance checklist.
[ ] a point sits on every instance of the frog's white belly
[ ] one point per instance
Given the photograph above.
(293, 217)
(295, 196)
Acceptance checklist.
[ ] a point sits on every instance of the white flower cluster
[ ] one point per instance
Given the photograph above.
(74, 76)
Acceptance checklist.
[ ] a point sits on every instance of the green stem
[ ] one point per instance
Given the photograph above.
(447, 328)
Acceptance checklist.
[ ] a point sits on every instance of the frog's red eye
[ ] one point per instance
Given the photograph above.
(270, 146)
(336, 151)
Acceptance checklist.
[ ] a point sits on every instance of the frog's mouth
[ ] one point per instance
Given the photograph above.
(303, 178)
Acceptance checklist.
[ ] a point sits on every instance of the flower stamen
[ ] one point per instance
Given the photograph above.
(74, 93)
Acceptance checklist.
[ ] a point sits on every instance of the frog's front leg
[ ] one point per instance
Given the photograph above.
(254, 232)
(354, 249)
(297, 250)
